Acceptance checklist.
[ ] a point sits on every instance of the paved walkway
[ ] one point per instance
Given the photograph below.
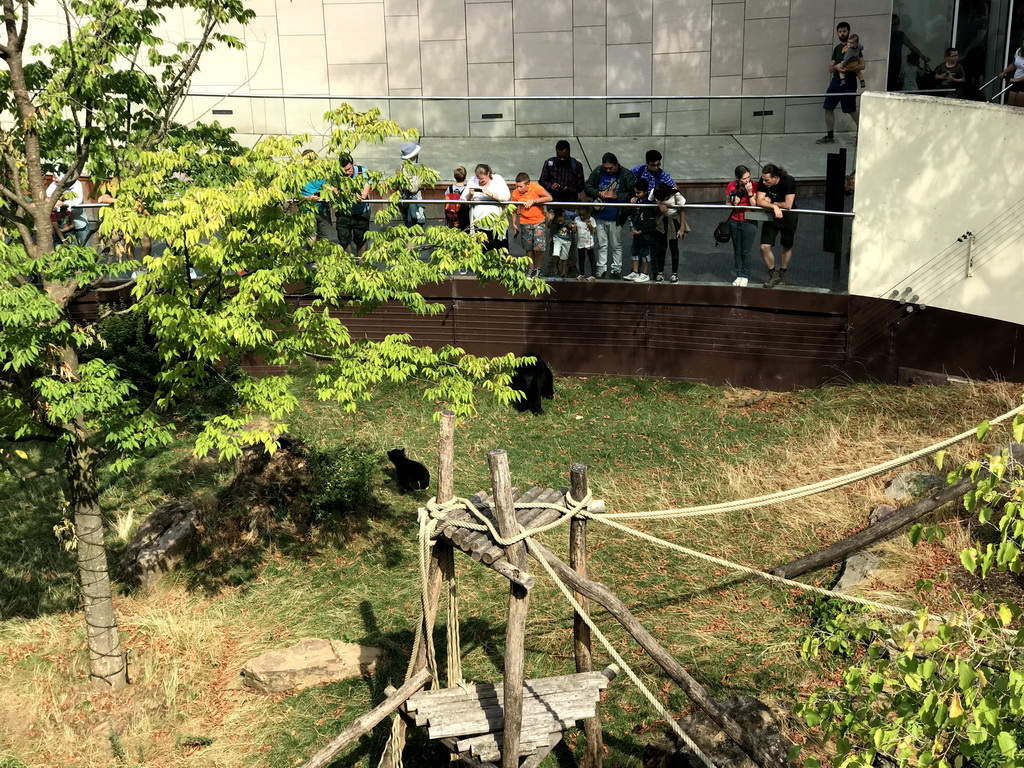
(686, 158)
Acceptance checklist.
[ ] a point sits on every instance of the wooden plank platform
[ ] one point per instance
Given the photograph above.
(479, 544)
(470, 719)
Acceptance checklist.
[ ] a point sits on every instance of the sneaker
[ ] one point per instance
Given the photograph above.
(463, 271)
(642, 278)
(615, 276)
(580, 278)
(673, 278)
(602, 276)
(743, 282)
(630, 276)
(591, 279)
(738, 282)
(660, 278)
(826, 139)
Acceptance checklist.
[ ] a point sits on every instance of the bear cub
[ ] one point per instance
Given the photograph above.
(535, 381)
(412, 476)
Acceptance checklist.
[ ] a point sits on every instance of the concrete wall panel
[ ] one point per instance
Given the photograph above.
(901, 160)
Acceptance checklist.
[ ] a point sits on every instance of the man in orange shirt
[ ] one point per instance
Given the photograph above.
(529, 219)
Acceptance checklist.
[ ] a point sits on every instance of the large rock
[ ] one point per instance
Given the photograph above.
(752, 716)
(907, 487)
(309, 662)
(857, 568)
(161, 542)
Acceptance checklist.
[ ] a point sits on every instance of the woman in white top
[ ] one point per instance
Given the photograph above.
(487, 186)
(669, 229)
(1016, 82)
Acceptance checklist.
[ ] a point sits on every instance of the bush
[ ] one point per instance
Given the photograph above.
(342, 481)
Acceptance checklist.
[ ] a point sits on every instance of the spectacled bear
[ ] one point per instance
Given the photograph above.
(535, 381)
(412, 476)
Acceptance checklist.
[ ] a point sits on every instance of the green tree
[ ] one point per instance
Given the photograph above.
(236, 277)
(948, 693)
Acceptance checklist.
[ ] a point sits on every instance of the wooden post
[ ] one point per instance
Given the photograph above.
(518, 603)
(445, 553)
(580, 631)
(362, 724)
(442, 561)
(758, 752)
(446, 458)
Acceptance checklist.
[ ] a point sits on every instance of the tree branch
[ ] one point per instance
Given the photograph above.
(180, 82)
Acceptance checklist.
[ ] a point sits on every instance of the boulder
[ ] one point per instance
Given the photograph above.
(309, 662)
(857, 568)
(752, 715)
(907, 487)
(161, 542)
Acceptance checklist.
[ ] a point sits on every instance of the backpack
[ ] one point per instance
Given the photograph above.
(722, 233)
(453, 209)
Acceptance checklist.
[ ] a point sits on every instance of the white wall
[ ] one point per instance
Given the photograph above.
(928, 171)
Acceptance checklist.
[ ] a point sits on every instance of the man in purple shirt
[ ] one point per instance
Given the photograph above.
(652, 173)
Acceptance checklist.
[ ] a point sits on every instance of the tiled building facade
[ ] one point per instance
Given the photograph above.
(510, 48)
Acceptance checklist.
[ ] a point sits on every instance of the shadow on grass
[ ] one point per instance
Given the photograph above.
(37, 575)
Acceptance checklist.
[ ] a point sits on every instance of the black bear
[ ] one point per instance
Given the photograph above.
(412, 476)
(535, 381)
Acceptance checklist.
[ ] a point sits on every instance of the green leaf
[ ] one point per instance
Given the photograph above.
(939, 458)
(983, 429)
(915, 533)
(969, 558)
(1007, 744)
(1018, 428)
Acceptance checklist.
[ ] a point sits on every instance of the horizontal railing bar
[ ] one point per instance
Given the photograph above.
(622, 99)
(555, 204)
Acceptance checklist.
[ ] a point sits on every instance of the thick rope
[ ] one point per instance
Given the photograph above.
(772, 578)
(644, 690)
(439, 513)
(807, 490)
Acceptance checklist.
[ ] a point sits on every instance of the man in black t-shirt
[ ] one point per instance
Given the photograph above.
(777, 193)
(844, 80)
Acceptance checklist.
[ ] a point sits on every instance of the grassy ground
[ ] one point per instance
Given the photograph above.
(648, 445)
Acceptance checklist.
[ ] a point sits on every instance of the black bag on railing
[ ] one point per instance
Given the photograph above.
(722, 233)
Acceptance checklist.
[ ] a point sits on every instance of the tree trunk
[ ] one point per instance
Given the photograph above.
(107, 666)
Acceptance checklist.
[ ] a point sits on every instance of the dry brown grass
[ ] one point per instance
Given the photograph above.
(186, 655)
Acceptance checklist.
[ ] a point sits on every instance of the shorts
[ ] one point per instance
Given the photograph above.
(560, 248)
(534, 237)
(1017, 87)
(351, 229)
(786, 226)
(640, 248)
(849, 103)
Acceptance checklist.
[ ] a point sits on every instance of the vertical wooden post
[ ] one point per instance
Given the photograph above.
(580, 631)
(446, 458)
(444, 552)
(441, 562)
(518, 602)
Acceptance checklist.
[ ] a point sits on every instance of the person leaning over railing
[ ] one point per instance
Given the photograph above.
(777, 192)
(670, 227)
(610, 183)
(487, 186)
